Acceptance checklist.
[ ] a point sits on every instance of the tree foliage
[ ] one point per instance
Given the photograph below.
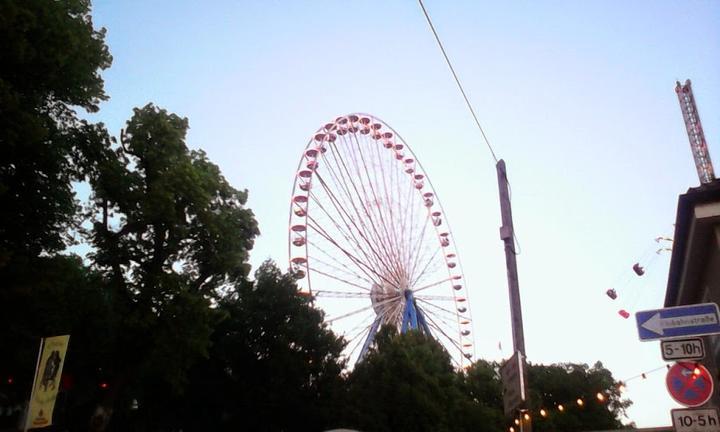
(168, 234)
(409, 383)
(273, 364)
(50, 59)
(50, 62)
(564, 383)
(482, 388)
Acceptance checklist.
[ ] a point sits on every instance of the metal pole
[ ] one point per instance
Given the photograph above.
(32, 390)
(507, 234)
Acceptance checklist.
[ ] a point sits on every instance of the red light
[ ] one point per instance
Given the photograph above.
(103, 385)
(10, 380)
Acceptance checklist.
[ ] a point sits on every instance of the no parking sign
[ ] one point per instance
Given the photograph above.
(690, 384)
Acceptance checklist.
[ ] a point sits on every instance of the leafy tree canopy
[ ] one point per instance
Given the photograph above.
(50, 59)
(564, 383)
(409, 383)
(273, 364)
(168, 233)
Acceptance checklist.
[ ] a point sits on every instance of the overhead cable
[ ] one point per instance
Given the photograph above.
(457, 81)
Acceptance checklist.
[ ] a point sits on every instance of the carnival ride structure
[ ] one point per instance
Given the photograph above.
(369, 241)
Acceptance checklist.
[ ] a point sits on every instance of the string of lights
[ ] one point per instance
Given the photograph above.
(600, 397)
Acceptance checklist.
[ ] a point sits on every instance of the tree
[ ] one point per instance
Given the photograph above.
(482, 388)
(550, 386)
(50, 58)
(50, 62)
(55, 296)
(273, 364)
(169, 234)
(566, 383)
(408, 383)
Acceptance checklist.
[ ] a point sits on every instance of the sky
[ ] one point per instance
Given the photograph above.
(577, 97)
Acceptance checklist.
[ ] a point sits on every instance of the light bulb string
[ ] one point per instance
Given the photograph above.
(601, 397)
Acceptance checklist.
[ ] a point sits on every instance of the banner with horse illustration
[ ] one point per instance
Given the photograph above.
(47, 381)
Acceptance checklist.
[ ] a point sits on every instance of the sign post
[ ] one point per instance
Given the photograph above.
(680, 321)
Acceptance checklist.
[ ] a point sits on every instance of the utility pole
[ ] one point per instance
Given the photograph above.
(507, 234)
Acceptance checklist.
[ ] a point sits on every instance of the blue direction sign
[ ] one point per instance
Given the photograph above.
(679, 321)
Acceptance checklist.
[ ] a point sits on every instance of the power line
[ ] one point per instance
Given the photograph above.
(457, 81)
(516, 245)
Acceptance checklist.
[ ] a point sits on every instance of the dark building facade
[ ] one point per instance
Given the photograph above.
(694, 275)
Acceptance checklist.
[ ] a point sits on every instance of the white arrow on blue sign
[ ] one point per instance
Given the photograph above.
(691, 320)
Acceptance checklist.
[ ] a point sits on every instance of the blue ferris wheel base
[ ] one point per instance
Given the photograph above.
(413, 319)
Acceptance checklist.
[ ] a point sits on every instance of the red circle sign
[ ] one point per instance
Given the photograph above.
(690, 384)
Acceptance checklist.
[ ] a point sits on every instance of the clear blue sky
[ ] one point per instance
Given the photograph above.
(577, 97)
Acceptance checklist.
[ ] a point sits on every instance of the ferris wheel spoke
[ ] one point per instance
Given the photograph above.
(389, 204)
(386, 241)
(448, 324)
(388, 256)
(427, 266)
(355, 260)
(452, 342)
(358, 340)
(357, 311)
(314, 270)
(341, 294)
(440, 323)
(343, 177)
(437, 297)
(357, 332)
(434, 284)
(415, 252)
(348, 233)
(385, 203)
(433, 324)
(392, 309)
(406, 229)
(364, 323)
(361, 332)
(451, 314)
(393, 211)
(338, 265)
(350, 223)
(404, 210)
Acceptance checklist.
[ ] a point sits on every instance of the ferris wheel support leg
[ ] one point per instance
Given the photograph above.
(421, 320)
(410, 316)
(370, 337)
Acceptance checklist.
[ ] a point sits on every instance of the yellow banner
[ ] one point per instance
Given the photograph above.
(47, 382)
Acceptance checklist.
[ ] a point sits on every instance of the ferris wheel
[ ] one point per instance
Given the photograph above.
(369, 241)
